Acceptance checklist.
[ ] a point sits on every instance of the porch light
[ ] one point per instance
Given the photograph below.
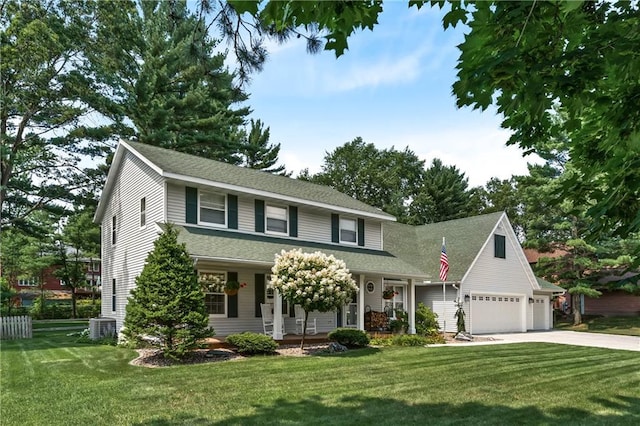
(531, 300)
(466, 298)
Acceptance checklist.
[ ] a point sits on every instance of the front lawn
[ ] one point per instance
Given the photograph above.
(628, 326)
(52, 380)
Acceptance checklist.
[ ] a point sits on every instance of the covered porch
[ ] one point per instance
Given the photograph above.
(248, 258)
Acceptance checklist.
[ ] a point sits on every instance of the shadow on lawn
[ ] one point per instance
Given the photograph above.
(45, 340)
(381, 411)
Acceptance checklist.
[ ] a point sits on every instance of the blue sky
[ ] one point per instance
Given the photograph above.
(392, 88)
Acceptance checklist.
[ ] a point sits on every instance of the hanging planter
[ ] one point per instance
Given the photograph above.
(388, 294)
(231, 287)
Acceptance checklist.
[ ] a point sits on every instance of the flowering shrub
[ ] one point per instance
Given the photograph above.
(315, 281)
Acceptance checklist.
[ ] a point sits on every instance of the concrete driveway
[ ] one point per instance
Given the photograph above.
(598, 340)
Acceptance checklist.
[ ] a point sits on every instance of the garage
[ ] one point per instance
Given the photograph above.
(541, 313)
(491, 313)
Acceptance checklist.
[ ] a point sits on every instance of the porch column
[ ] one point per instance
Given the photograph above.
(361, 303)
(411, 309)
(277, 316)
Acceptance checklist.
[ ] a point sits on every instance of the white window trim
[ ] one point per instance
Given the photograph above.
(266, 218)
(226, 209)
(355, 221)
(224, 315)
(114, 233)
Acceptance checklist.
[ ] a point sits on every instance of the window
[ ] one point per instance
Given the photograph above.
(214, 298)
(213, 208)
(397, 302)
(113, 230)
(348, 230)
(499, 245)
(276, 219)
(95, 266)
(143, 212)
(27, 282)
(113, 295)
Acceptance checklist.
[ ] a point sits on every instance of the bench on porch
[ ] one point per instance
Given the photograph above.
(376, 321)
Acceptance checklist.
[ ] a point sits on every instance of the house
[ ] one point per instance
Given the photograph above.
(617, 286)
(234, 220)
(29, 287)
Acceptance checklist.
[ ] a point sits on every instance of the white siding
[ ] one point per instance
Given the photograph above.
(496, 276)
(176, 203)
(373, 235)
(124, 261)
(246, 214)
(314, 225)
(432, 297)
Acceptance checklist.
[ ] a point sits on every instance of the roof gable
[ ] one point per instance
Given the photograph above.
(421, 245)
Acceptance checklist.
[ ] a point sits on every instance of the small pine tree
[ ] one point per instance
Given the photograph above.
(168, 303)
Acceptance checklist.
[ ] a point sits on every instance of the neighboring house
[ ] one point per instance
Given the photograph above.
(614, 301)
(28, 286)
(234, 220)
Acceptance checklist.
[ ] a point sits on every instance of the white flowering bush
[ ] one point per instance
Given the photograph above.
(315, 281)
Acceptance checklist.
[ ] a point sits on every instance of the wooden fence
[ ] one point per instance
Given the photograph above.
(16, 327)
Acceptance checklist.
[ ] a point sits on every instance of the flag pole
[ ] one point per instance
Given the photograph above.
(444, 303)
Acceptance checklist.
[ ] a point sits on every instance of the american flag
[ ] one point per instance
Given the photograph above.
(444, 264)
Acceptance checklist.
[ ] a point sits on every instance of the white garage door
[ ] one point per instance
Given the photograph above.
(541, 313)
(496, 313)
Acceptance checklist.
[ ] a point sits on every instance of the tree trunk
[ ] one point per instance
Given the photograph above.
(74, 312)
(575, 305)
(304, 329)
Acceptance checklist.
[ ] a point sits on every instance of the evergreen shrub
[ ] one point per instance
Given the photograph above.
(249, 343)
(350, 337)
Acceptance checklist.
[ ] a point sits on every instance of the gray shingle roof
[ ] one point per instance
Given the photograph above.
(191, 166)
(233, 246)
(421, 245)
(546, 285)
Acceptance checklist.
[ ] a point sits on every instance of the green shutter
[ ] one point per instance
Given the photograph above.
(232, 211)
(293, 221)
(361, 232)
(232, 301)
(259, 210)
(499, 246)
(335, 228)
(260, 292)
(191, 205)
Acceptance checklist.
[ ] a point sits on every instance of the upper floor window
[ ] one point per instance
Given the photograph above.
(276, 218)
(95, 266)
(27, 282)
(499, 246)
(348, 230)
(113, 230)
(212, 208)
(143, 212)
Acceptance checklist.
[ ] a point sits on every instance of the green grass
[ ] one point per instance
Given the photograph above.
(628, 326)
(52, 380)
(44, 324)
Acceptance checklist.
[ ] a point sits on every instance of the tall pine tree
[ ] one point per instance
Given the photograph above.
(168, 303)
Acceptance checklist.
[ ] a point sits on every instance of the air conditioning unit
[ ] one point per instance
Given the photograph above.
(101, 327)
